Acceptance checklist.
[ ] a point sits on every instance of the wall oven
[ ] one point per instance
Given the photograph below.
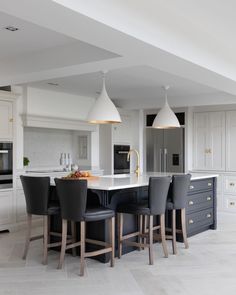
(121, 165)
(6, 165)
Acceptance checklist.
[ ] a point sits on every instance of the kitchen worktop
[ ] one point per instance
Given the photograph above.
(124, 181)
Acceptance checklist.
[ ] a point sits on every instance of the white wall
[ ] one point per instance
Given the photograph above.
(43, 146)
(48, 103)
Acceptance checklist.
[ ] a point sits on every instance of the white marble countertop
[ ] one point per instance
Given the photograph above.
(122, 181)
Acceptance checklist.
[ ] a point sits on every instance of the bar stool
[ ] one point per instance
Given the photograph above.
(73, 199)
(37, 193)
(156, 206)
(178, 198)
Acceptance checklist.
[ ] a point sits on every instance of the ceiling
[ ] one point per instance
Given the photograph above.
(126, 83)
(188, 45)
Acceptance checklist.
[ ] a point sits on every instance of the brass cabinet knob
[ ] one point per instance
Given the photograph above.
(208, 198)
(11, 120)
(190, 221)
(208, 215)
(190, 202)
(208, 151)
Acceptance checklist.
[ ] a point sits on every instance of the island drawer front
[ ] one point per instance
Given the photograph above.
(200, 185)
(200, 201)
(199, 219)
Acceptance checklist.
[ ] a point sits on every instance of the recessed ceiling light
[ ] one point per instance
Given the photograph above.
(53, 84)
(11, 28)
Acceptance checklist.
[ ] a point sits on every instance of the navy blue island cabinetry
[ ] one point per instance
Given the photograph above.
(201, 205)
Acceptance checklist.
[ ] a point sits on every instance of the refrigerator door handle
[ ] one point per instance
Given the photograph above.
(165, 159)
(160, 161)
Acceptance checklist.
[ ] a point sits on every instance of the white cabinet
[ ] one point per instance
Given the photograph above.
(6, 208)
(231, 141)
(209, 141)
(122, 132)
(6, 120)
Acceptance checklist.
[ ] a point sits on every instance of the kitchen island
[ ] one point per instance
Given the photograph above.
(112, 190)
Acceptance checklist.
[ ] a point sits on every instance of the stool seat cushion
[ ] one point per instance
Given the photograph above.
(133, 208)
(169, 205)
(98, 213)
(53, 208)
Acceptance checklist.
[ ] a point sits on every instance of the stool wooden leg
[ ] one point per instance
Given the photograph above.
(49, 226)
(163, 234)
(63, 243)
(150, 235)
(45, 239)
(82, 247)
(120, 233)
(73, 235)
(28, 234)
(112, 239)
(184, 230)
(140, 239)
(174, 246)
(145, 229)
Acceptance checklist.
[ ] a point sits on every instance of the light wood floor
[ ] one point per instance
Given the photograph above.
(208, 267)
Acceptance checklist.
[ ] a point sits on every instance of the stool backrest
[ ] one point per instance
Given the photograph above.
(180, 187)
(72, 194)
(157, 194)
(37, 191)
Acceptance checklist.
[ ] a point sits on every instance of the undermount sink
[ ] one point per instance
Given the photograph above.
(117, 176)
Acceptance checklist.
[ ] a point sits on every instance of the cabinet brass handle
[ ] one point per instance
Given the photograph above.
(208, 215)
(191, 187)
(232, 184)
(190, 202)
(208, 198)
(190, 221)
(11, 120)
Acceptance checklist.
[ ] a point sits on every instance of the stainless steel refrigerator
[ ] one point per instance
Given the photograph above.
(165, 150)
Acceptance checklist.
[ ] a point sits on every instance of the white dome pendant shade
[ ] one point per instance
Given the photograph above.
(166, 118)
(103, 111)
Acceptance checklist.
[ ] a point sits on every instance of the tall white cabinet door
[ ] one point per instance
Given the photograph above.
(216, 141)
(6, 121)
(6, 206)
(200, 140)
(231, 141)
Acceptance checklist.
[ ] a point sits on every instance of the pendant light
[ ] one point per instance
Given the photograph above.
(104, 111)
(166, 118)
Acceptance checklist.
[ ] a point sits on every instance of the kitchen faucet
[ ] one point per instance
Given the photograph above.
(137, 170)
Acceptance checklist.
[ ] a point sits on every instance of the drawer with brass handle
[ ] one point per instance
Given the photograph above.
(200, 185)
(229, 184)
(199, 201)
(199, 219)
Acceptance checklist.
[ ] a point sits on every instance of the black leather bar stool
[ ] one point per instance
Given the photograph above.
(37, 196)
(178, 198)
(156, 205)
(73, 199)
